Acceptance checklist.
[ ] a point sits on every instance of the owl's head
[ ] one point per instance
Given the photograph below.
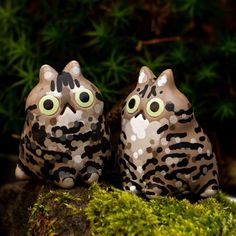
(61, 98)
(154, 98)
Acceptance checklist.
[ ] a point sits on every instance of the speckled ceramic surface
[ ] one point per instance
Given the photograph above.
(163, 150)
(65, 135)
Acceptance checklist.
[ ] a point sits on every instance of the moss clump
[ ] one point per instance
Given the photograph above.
(212, 216)
(115, 212)
(104, 210)
(52, 209)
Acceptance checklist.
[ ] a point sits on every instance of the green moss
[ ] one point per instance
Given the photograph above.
(110, 211)
(115, 212)
(118, 213)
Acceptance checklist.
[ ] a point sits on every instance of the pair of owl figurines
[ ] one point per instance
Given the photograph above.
(162, 149)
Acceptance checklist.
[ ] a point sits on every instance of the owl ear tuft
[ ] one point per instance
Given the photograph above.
(145, 74)
(73, 68)
(47, 73)
(166, 78)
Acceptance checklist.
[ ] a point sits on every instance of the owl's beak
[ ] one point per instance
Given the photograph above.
(142, 114)
(68, 106)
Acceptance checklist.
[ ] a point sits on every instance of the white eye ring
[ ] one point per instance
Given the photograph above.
(155, 107)
(48, 105)
(132, 104)
(84, 97)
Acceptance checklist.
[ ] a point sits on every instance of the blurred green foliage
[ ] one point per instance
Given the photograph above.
(112, 40)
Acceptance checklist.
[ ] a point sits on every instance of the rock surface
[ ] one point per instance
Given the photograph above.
(34, 208)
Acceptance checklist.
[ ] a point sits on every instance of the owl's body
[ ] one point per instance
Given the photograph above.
(65, 136)
(163, 150)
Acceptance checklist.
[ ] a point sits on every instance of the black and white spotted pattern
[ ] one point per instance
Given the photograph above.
(163, 150)
(65, 136)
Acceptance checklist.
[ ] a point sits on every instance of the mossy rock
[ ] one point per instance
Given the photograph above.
(111, 211)
(59, 212)
(115, 212)
(105, 210)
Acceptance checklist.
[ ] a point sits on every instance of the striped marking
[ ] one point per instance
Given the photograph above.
(173, 155)
(143, 92)
(126, 157)
(201, 172)
(64, 79)
(152, 92)
(212, 182)
(173, 174)
(183, 121)
(175, 135)
(152, 172)
(192, 146)
(187, 112)
(203, 156)
(150, 161)
(162, 129)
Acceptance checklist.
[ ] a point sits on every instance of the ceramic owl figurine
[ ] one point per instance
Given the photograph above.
(162, 149)
(65, 136)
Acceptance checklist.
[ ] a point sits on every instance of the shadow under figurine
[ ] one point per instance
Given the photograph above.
(65, 135)
(163, 150)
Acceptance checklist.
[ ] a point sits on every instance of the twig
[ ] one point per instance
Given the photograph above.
(156, 41)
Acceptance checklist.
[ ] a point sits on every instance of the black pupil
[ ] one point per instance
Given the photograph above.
(48, 104)
(154, 106)
(84, 97)
(131, 103)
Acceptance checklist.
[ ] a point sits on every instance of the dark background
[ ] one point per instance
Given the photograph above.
(112, 40)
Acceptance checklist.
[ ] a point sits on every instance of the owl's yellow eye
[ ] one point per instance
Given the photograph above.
(133, 104)
(48, 105)
(84, 97)
(155, 107)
